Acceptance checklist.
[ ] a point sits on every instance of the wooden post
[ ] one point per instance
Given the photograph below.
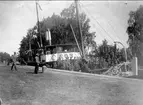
(134, 65)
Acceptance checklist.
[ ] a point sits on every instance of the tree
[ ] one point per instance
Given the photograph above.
(109, 55)
(28, 43)
(61, 32)
(60, 27)
(4, 56)
(135, 32)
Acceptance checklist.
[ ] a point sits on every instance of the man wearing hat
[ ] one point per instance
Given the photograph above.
(37, 62)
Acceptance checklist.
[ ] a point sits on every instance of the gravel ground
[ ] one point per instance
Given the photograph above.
(59, 88)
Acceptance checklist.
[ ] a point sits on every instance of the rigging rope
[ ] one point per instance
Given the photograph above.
(97, 23)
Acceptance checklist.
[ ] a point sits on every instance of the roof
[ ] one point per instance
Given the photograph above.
(59, 45)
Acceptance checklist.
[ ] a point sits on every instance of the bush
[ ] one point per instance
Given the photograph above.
(68, 64)
(72, 65)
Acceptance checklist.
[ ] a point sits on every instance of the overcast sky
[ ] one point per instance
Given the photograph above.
(108, 19)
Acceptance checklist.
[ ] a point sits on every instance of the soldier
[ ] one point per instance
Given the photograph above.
(37, 62)
(14, 58)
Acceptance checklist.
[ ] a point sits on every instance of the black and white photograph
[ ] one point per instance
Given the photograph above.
(71, 52)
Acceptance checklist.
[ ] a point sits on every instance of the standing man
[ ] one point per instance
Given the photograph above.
(14, 58)
(42, 61)
(37, 62)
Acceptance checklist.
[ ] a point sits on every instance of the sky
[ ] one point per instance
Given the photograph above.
(107, 18)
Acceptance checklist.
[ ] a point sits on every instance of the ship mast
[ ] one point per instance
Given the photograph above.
(37, 13)
(79, 26)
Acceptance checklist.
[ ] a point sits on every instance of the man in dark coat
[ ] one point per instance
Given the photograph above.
(37, 62)
(14, 59)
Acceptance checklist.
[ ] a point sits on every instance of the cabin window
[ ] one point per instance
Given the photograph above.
(48, 52)
(54, 51)
(59, 49)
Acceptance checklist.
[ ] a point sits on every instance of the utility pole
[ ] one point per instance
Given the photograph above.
(79, 26)
(38, 24)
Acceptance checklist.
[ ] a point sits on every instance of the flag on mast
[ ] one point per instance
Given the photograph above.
(48, 36)
(37, 2)
(39, 6)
